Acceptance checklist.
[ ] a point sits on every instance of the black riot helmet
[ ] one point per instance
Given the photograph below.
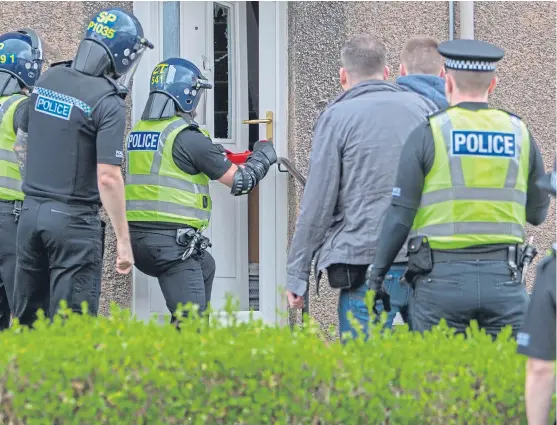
(21, 61)
(177, 85)
(113, 46)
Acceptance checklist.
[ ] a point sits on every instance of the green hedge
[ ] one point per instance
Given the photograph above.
(120, 371)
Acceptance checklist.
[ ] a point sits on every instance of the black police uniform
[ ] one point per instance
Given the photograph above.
(537, 336)
(494, 309)
(155, 250)
(74, 122)
(8, 231)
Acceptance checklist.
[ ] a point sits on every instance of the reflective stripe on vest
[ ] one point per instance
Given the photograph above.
(156, 189)
(466, 201)
(10, 176)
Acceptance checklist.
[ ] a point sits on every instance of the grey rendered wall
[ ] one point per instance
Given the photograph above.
(61, 26)
(317, 31)
(527, 81)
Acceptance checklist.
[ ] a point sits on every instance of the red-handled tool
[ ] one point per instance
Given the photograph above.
(238, 157)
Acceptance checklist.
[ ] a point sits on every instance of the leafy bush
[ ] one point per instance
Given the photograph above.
(117, 370)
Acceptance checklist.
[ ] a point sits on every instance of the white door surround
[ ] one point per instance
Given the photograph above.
(273, 96)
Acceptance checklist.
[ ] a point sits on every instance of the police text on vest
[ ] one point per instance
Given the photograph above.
(483, 143)
(143, 141)
(53, 107)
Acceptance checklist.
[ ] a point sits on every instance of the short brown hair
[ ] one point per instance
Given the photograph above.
(472, 82)
(420, 56)
(364, 56)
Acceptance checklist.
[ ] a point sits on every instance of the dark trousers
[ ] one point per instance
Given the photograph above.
(461, 291)
(59, 257)
(157, 254)
(8, 231)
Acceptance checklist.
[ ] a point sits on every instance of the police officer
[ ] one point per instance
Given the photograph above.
(76, 125)
(21, 60)
(170, 162)
(536, 339)
(466, 186)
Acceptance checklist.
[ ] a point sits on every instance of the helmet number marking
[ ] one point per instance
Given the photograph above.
(7, 59)
(101, 26)
(101, 29)
(158, 73)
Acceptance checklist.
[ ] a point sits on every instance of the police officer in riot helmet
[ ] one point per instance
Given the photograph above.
(21, 60)
(170, 162)
(536, 339)
(465, 189)
(73, 139)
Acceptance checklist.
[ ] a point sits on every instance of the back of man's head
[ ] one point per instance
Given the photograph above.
(420, 56)
(363, 58)
(472, 83)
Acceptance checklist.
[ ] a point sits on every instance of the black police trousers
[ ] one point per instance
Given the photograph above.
(157, 254)
(461, 291)
(8, 232)
(59, 257)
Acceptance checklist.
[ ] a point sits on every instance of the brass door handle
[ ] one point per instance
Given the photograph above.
(268, 120)
(257, 121)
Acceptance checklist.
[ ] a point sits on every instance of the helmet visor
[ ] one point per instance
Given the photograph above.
(201, 109)
(126, 79)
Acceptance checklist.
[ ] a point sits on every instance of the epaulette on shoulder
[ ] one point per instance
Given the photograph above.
(119, 89)
(510, 113)
(62, 63)
(192, 124)
(193, 127)
(438, 112)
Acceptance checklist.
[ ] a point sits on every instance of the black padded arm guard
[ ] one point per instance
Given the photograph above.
(256, 167)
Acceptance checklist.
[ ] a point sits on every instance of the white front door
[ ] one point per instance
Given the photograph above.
(223, 39)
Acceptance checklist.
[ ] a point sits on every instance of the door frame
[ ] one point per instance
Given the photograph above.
(273, 189)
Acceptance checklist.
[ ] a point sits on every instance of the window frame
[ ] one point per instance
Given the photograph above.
(163, 25)
(234, 69)
(232, 63)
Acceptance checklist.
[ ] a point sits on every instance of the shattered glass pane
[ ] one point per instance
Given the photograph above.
(223, 70)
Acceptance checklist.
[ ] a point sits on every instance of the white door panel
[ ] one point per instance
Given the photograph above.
(227, 72)
(221, 229)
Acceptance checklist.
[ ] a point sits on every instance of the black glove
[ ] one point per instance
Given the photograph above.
(266, 148)
(375, 283)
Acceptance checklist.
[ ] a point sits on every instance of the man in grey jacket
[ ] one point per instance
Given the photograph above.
(356, 146)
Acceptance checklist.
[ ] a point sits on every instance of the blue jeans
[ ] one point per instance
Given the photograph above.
(400, 296)
(353, 300)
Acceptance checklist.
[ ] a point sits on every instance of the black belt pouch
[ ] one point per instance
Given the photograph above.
(420, 260)
(346, 276)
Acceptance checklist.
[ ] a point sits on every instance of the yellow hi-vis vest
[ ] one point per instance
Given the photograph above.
(10, 177)
(156, 189)
(475, 192)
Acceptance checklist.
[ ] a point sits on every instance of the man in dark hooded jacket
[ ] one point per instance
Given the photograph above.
(421, 71)
(356, 146)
